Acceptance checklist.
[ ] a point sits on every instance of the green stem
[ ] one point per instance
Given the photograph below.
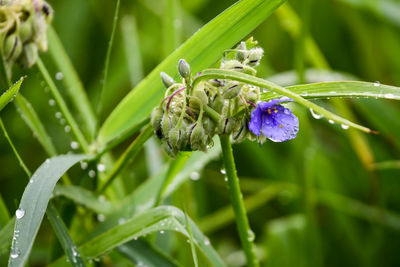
(127, 156)
(245, 233)
(63, 106)
(21, 162)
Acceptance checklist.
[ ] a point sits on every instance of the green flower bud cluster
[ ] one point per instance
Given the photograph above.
(23, 25)
(181, 121)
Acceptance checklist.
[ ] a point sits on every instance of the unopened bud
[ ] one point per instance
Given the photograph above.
(218, 103)
(198, 138)
(231, 90)
(166, 124)
(25, 30)
(254, 56)
(156, 117)
(12, 47)
(241, 53)
(199, 93)
(184, 69)
(227, 125)
(166, 79)
(241, 133)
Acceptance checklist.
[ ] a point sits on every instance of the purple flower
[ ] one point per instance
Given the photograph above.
(274, 121)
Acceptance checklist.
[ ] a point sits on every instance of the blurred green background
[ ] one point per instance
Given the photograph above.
(319, 200)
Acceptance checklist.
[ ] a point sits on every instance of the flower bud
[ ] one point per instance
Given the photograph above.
(218, 103)
(198, 138)
(166, 79)
(25, 30)
(171, 151)
(199, 92)
(241, 133)
(227, 125)
(184, 69)
(156, 117)
(30, 55)
(231, 90)
(254, 56)
(166, 124)
(241, 53)
(12, 47)
(209, 126)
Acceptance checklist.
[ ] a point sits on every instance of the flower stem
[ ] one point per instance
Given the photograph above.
(245, 233)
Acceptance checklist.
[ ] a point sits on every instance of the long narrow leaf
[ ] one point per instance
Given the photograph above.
(162, 218)
(10, 94)
(34, 203)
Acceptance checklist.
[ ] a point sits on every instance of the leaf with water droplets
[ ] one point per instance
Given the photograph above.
(34, 203)
(10, 94)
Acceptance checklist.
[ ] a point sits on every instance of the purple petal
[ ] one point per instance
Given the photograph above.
(280, 126)
(266, 105)
(256, 120)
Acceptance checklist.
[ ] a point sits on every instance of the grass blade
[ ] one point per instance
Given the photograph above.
(201, 50)
(157, 219)
(107, 63)
(140, 251)
(342, 89)
(10, 94)
(73, 84)
(83, 197)
(34, 203)
(62, 234)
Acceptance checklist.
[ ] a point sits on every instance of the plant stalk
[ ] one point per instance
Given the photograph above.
(245, 233)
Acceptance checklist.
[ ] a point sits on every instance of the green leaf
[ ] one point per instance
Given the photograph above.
(6, 236)
(140, 251)
(34, 203)
(83, 197)
(341, 89)
(72, 82)
(201, 50)
(10, 94)
(63, 236)
(162, 218)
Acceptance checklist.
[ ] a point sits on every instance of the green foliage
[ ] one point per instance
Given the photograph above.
(330, 197)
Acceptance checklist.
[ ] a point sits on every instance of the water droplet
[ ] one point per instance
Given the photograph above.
(62, 121)
(14, 254)
(195, 176)
(331, 121)
(19, 213)
(223, 171)
(47, 161)
(92, 173)
(59, 76)
(389, 95)
(74, 145)
(101, 167)
(250, 235)
(52, 102)
(84, 165)
(67, 128)
(315, 115)
(101, 217)
(31, 181)
(207, 242)
(135, 238)
(58, 115)
(344, 126)
(121, 221)
(226, 179)
(161, 232)
(377, 84)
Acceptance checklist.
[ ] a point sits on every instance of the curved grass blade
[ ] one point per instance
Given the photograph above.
(341, 89)
(201, 50)
(278, 90)
(140, 251)
(107, 62)
(72, 82)
(6, 234)
(63, 236)
(34, 203)
(83, 197)
(162, 218)
(10, 94)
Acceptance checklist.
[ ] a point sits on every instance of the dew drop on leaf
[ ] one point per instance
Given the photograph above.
(19, 213)
(344, 126)
(315, 115)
